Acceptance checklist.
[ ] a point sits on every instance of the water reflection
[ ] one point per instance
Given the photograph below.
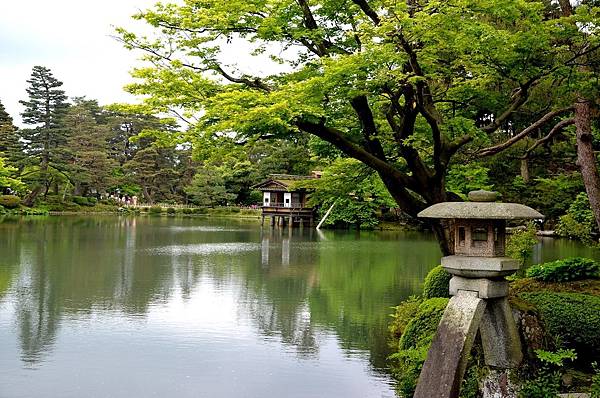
(295, 314)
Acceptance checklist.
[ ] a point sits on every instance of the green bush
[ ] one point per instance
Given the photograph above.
(437, 283)
(572, 317)
(569, 269)
(402, 315)
(92, 201)
(155, 210)
(10, 201)
(80, 200)
(171, 211)
(520, 243)
(200, 210)
(578, 222)
(418, 328)
(188, 211)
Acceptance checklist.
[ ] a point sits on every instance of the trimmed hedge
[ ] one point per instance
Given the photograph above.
(10, 201)
(171, 211)
(437, 283)
(573, 317)
(569, 269)
(155, 210)
(80, 200)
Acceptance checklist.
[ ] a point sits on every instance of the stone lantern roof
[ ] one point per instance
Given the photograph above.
(482, 206)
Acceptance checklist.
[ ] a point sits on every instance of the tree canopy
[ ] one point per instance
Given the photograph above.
(401, 86)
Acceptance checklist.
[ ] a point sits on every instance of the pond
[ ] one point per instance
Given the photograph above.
(191, 307)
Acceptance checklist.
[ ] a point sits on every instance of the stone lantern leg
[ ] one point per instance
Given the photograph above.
(479, 293)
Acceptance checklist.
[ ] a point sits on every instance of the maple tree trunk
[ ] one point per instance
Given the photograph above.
(586, 159)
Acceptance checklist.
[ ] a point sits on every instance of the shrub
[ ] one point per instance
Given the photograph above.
(92, 201)
(155, 210)
(188, 211)
(570, 269)
(402, 315)
(415, 340)
(578, 222)
(200, 210)
(520, 243)
(437, 283)
(171, 211)
(573, 317)
(10, 201)
(80, 200)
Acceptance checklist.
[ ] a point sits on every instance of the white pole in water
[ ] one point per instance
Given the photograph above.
(326, 215)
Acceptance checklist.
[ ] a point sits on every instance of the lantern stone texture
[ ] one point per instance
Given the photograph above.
(479, 292)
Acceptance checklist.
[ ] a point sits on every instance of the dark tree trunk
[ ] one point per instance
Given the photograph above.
(147, 195)
(29, 200)
(586, 159)
(525, 170)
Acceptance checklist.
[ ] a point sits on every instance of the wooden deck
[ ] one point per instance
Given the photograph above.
(290, 216)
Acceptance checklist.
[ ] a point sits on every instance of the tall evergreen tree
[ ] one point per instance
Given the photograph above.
(89, 167)
(10, 147)
(44, 110)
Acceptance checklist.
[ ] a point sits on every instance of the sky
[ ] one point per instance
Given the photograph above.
(72, 38)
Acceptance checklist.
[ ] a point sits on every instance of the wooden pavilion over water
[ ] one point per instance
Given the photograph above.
(283, 202)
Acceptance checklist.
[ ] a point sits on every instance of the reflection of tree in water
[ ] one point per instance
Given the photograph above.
(38, 313)
(65, 268)
(293, 289)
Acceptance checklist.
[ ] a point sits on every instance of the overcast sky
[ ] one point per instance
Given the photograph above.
(72, 38)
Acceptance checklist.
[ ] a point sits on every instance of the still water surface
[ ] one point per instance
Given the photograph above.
(143, 307)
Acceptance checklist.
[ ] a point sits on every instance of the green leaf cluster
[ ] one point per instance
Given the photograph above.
(569, 269)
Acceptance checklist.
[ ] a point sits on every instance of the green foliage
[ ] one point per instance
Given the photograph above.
(10, 201)
(80, 200)
(208, 188)
(155, 210)
(547, 382)
(358, 194)
(520, 243)
(595, 387)
(479, 73)
(415, 328)
(578, 222)
(463, 178)
(556, 358)
(437, 283)
(569, 269)
(8, 178)
(403, 313)
(573, 317)
(171, 211)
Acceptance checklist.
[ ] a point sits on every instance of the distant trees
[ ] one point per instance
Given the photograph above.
(10, 147)
(90, 167)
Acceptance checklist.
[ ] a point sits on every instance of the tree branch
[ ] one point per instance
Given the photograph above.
(555, 130)
(337, 138)
(360, 104)
(366, 8)
(539, 123)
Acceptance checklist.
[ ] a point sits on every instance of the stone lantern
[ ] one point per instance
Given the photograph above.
(479, 292)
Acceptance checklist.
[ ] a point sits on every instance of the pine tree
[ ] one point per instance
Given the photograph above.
(89, 167)
(44, 110)
(10, 147)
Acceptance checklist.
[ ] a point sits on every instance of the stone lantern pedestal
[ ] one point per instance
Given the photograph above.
(479, 293)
